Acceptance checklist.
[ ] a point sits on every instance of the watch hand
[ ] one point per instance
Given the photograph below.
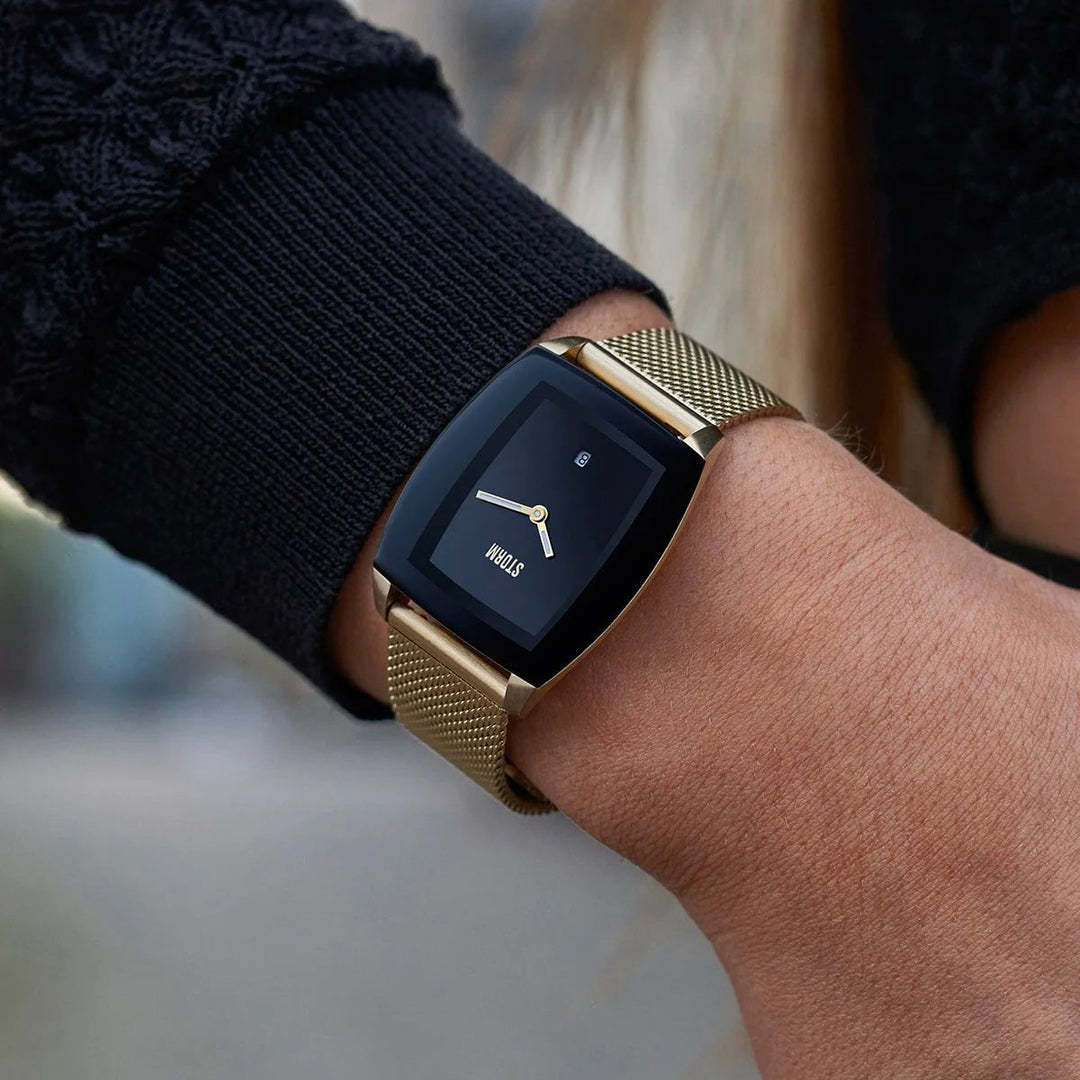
(536, 514)
(509, 504)
(545, 539)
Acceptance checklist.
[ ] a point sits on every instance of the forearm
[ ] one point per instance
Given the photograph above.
(836, 683)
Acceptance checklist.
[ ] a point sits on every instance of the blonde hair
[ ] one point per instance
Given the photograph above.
(717, 144)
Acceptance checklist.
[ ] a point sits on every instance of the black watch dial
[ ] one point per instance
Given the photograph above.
(537, 515)
(545, 513)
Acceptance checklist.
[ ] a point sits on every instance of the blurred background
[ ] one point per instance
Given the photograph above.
(207, 871)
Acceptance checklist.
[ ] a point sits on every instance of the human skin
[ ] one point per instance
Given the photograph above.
(1027, 427)
(851, 754)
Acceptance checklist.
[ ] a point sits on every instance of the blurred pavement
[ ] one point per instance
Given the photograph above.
(341, 908)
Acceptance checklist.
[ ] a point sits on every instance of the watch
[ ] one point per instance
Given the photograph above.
(534, 520)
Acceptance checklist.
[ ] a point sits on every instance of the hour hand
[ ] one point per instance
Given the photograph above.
(545, 539)
(509, 504)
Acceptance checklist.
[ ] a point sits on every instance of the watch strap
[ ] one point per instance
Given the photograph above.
(695, 376)
(462, 723)
(458, 722)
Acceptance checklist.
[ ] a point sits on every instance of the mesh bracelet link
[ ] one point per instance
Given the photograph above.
(457, 721)
(698, 378)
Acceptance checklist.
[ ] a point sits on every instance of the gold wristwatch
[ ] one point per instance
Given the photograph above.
(533, 522)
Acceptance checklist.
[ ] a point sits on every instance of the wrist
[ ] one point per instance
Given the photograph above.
(815, 688)
(833, 756)
(673, 744)
(356, 635)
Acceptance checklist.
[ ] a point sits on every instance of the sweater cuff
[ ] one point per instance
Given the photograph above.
(308, 330)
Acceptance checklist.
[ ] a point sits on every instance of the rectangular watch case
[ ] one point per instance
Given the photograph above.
(611, 575)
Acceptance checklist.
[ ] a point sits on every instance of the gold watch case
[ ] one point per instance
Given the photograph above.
(508, 691)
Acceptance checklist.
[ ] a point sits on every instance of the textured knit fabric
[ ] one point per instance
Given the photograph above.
(250, 268)
(115, 117)
(317, 321)
(974, 121)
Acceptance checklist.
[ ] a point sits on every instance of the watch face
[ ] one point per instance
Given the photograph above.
(544, 513)
(538, 514)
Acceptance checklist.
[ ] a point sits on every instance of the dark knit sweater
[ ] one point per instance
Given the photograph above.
(973, 113)
(249, 267)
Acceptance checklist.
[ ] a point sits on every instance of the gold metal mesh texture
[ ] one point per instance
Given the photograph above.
(700, 379)
(456, 721)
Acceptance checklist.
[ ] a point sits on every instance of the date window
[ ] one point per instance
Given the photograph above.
(583, 458)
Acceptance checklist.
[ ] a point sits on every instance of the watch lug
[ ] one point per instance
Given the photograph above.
(693, 429)
(642, 391)
(384, 591)
(704, 440)
(520, 696)
(467, 664)
(514, 695)
(566, 347)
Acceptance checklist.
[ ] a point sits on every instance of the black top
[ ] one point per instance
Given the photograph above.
(973, 113)
(239, 242)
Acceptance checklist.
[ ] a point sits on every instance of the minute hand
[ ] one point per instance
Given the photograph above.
(509, 504)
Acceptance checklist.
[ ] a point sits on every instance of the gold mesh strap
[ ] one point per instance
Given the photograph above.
(463, 725)
(697, 377)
